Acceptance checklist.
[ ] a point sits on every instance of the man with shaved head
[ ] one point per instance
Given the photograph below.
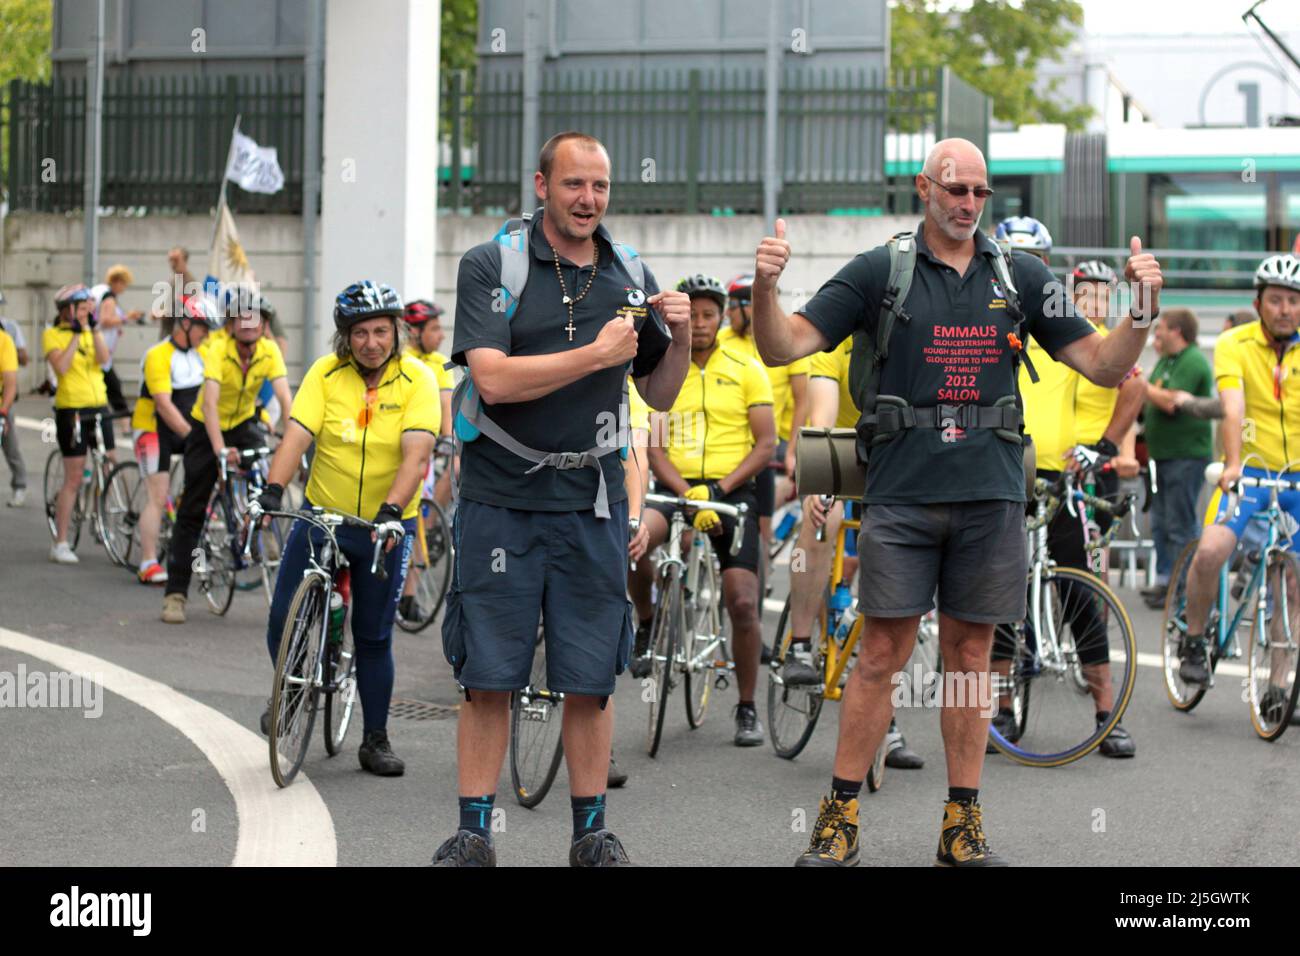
(944, 507)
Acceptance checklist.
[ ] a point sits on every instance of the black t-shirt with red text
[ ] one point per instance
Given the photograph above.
(954, 350)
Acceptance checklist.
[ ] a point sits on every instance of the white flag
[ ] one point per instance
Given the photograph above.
(227, 262)
(254, 168)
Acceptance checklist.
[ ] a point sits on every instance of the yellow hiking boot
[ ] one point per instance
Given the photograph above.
(962, 841)
(835, 835)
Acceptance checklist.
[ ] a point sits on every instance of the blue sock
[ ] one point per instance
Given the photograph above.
(588, 814)
(476, 814)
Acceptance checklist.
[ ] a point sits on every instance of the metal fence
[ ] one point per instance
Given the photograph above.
(164, 142)
(688, 141)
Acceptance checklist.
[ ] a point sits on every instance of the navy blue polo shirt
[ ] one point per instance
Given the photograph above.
(569, 418)
(954, 351)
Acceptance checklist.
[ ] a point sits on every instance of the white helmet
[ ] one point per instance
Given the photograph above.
(1283, 270)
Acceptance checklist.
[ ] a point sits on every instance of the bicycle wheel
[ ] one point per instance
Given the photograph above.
(123, 498)
(54, 482)
(293, 693)
(268, 548)
(1182, 695)
(536, 734)
(340, 689)
(703, 654)
(792, 711)
(876, 772)
(431, 562)
(665, 634)
(1093, 632)
(1272, 685)
(167, 520)
(215, 571)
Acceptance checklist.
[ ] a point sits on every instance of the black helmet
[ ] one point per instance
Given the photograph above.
(365, 300)
(700, 284)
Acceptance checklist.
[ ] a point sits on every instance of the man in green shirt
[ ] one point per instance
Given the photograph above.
(1178, 442)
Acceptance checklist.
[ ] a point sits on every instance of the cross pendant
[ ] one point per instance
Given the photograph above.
(569, 328)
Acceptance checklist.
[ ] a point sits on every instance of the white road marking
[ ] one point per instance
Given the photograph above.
(290, 827)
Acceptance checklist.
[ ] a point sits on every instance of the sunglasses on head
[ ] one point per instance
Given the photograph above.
(981, 192)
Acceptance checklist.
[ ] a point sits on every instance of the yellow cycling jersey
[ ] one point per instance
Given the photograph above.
(835, 365)
(1244, 358)
(82, 385)
(8, 353)
(778, 375)
(239, 386)
(708, 433)
(638, 412)
(436, 362)
(1094, 405)
(1050, 407)
(166, 370)
(359, 431)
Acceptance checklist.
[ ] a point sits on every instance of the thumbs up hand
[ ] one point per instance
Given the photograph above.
(1145, 279)
(769, 262)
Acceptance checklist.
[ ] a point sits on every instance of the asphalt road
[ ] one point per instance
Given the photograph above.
(173, 770)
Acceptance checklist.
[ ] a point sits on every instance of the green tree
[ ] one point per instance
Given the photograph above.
(25, 28)
(459, 34)
(994, 45)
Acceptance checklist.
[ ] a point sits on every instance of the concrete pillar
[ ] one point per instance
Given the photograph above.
(379, 189)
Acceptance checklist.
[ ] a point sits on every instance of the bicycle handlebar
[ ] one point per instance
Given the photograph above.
(327, 521)
(1214, 471)
(734, 511)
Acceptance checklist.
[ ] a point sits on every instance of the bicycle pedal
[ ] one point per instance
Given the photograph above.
(721, 682)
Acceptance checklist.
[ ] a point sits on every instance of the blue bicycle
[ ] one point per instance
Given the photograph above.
(1248, 598)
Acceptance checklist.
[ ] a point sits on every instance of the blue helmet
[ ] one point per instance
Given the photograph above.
(1024, 232)
(365, 300)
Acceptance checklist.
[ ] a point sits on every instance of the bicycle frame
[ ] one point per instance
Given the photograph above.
(839, 654)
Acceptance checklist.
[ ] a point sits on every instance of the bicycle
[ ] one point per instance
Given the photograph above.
(688, 638)
(536, 733)
(102, 496)
(1273, 635)
(138, 497)
(793, 710)
(1070, 616)
(316, 664)
(431, 559)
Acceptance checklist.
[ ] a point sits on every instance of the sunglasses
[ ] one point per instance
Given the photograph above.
(366, 414)
(981, 192)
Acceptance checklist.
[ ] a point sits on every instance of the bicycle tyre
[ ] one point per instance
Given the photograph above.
(697, 686)
(876, 772)
(432, 563)
(1085, 581)
(800, 706)
(1173, 626)
(1271, 722)
(532, 779)
(295, 673)
(664, 637)
(120, 504)
(217, 579)
(54, 482)
(341, 690)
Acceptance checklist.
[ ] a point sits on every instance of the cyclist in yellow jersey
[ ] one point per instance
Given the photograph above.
(832, 407)
(1257, 370)
(172, 377)
(373, 413)
(425, 338)
(720, 434)
(1062, 411)
(75, 350)
(234, 368)
(8, 378)
(789, 401)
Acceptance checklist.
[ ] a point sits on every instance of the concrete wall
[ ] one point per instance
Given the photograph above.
(42, 252)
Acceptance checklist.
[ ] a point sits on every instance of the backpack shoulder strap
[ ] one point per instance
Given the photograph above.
(1001, 259)
(512, 240)
(902, 265)
(631, 262)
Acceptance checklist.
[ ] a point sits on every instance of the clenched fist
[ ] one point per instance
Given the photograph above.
(675, 309)
(616, 343)
(1143, 274)
(769, 262)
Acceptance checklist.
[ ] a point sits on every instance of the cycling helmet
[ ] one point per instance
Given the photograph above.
(741, 287)
(244, 299)
(365, 300)
(201, 308)
(1283, 270)
(1094, 270)
(1024, 232)
(419, 311)
(700, 284)
(70, 294)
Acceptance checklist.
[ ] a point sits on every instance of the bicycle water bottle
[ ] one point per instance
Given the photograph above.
(1253, 539)
(783, 529)
(841, 599)
(339, 597)
(85, 472)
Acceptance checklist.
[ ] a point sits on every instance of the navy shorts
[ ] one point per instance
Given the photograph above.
(567, 569)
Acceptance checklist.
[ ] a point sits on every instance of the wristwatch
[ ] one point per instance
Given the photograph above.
(633, 525)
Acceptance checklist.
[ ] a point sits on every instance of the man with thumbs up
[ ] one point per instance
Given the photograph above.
(944, 508)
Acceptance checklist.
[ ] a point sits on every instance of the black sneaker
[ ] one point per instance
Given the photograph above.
(1193, 669)
(265, 722)
(749, 730)
(377, 756)
(1272, 706)
(1154, 592)
(900, 756)
(641, 664)
(408, 609)
(466, 849)
(797, 669)
(598, 848)
(1005, 724)
(1118, 743)
(616, 777)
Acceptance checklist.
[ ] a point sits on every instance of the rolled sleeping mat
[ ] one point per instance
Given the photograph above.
(827, 463)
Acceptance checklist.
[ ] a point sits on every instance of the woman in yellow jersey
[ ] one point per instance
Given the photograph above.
(373, 414)
(75, 350)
